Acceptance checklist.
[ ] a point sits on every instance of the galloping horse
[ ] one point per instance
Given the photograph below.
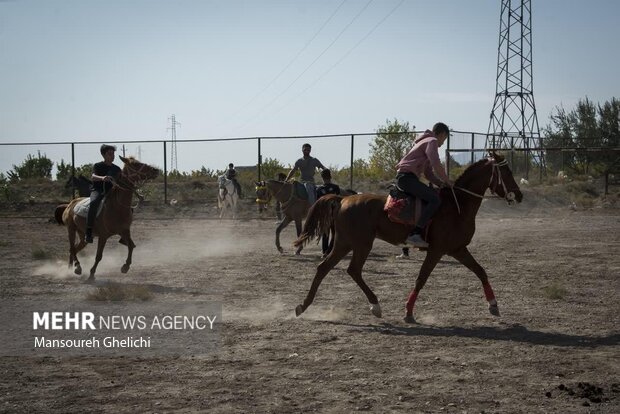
(360, 219)
(227, 197)
(115, 218)
(293, 207)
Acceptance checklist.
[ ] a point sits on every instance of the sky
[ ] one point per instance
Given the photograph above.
(100, 71)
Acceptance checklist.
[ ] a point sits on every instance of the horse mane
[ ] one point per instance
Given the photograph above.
(466, 175)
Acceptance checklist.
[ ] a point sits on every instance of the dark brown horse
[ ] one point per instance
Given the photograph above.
(115, 219)
(360, 219)
(293, 207)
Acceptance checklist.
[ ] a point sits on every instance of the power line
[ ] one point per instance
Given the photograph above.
(262, 110)
(340, 60)
(287, 66)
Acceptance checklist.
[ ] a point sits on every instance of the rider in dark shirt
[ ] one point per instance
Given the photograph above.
(104, 173)
(327, 188)
(231, 174)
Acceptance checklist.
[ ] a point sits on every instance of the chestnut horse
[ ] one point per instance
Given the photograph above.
(293, 207)
(115, 218)
(360, 219)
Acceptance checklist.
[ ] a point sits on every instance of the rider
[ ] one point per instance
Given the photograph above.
(104, 173)
(424, 158)
(231, 174)
(307, 165)
(327, 188)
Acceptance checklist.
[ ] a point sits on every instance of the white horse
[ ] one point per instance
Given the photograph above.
(227, 196)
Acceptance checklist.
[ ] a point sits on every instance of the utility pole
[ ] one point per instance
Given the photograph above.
(513, 122)
(173, 146)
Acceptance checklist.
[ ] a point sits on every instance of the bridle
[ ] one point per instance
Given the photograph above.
(262, 201)
(131, 181)
(509, 194)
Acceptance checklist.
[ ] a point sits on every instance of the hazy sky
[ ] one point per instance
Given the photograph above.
(116, 70)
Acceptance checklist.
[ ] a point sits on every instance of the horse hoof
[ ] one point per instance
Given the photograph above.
(124, 268)
(298, 253)
(78, 270)
(409, 319)
(90, 280)
(299, 310)
(494, 309)
(281, 250)
(376, 310)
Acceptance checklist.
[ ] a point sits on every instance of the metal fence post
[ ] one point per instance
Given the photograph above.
(448, 156)
(351, 173)
(72, 170)
(473, 142)
(165, 176)
(260, 160)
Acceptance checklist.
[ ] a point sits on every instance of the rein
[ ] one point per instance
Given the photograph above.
(508, 196)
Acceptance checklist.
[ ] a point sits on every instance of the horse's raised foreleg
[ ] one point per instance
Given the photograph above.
(126, 236)
(298, 228)
(430, 261)
(282, 225)
(355, 271)
(464, 256)
(322, 270)
(101, 241)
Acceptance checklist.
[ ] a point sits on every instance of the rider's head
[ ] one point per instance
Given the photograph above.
(107, 151)
(306, 148)
(326, 174)
(231, 165)
(441, 132)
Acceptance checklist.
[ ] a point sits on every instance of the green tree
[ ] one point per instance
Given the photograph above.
(270, 167)
(392, 142)
(586, 126)
(32, 167)
(63, 171)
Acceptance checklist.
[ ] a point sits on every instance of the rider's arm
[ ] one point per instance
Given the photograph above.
(292, 172)
(432, 152)
(430, 175)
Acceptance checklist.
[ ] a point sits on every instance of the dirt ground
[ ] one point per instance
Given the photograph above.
(555, 273)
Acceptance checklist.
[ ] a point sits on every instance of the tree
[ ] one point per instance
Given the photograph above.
(270, 167)
(32, 167)
(63, 171)
(392, 142)
(586, 126)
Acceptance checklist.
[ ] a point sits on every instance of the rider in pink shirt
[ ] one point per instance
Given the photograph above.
(423, 158)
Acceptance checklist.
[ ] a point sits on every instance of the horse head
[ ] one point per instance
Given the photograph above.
(263, 196)
(137, 172)
(502, 181)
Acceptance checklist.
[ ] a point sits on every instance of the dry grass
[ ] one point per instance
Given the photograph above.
(115, 292)
(555, 291)
(39, 253)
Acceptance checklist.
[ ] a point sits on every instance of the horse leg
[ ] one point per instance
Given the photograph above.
(298, 228)
(282, 225)
(101, 241)
(355, 271)
(430, 261)
(79, 248)
(72, 252)
(126, 235)
(322, 270)
(464, 256)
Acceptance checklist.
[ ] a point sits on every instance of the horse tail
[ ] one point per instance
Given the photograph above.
(320, 219)
(58, 213)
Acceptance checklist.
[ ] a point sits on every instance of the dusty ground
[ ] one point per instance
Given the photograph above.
(337, 357)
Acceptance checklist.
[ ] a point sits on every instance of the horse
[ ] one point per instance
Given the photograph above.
(114, 219)
(81, 184)
(227, 196)
(360, 219)
(293, 207)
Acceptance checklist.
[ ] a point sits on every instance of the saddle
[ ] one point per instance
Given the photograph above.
(401, 207)
(300, 190)
(82, 207)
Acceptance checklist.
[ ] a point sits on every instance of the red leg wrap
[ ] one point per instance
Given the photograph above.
(488, 292)
(411, 301)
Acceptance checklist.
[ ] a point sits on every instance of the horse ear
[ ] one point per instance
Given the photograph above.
(125, 160)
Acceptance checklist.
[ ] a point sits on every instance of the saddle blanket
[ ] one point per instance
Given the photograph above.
(82, 207)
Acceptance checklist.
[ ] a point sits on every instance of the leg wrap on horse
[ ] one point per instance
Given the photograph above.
(488, 292)
(411, 301)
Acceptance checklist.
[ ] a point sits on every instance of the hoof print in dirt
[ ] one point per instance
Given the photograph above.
(591, 392)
